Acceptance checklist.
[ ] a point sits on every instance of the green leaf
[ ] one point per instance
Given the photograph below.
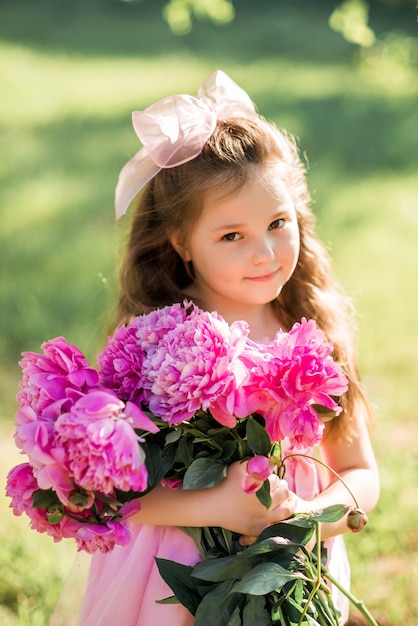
(263, 494)
(264, 578)
(158, 462)
(173, 436)
(220, 569)
(268, 546)
(183, 453)
(255, 612)
(293, 611)
(228, 449)
(257, 437)
(331, 514)
(297, 530)
(220, 539)
(107, 499)
(178, 578)
(170, 600)
(204, 473)
(324, 413)
(219, 607)
(298, 591)
(235, 619)
(43, 498)
(195, 533)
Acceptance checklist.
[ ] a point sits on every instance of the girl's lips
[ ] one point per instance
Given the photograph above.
(263, 277)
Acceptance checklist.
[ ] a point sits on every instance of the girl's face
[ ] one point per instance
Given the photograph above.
(245, 246)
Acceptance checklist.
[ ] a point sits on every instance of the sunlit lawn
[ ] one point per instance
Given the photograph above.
(70, 75)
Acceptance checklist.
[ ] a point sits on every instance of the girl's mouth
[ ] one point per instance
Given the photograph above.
(263, 277)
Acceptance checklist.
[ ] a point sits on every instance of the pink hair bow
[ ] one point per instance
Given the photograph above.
(175, 129)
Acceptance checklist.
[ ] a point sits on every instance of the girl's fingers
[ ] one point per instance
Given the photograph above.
(279, 490)
(285, 509)
(246, 540)
(278, 513)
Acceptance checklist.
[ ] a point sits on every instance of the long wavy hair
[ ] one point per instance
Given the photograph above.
(153, 274)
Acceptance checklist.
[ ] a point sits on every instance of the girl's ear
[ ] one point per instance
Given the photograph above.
(180, 247)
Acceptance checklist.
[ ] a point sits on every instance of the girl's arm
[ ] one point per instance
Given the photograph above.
(225, 505)
(228, 506)
(355, 462)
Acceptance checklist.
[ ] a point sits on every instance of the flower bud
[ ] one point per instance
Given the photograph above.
(356, 520)
(259, 467)
(54, 514)
(79, 500)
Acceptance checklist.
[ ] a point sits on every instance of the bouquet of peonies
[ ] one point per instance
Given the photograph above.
(178, 396)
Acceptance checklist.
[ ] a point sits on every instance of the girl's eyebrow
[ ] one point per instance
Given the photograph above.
(232, 227)
(228, 227)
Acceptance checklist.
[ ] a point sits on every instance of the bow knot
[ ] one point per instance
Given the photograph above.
(175, 129)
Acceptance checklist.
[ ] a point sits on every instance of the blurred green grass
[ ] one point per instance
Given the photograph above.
(70, 75)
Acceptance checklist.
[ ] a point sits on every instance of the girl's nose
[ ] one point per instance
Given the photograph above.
(264, 250)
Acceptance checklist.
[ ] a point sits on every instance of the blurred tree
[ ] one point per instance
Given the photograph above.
(394, 47)
(179, 13)
(350, 18)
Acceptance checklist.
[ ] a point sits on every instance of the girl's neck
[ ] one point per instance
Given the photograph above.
(263, 323)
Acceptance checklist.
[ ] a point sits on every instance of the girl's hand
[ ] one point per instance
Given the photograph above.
(243, 513)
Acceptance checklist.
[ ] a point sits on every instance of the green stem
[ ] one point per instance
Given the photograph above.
(318, 578)
(322, 601)
(227, 535)
(241, 447)
(336, 474)
(359, 604)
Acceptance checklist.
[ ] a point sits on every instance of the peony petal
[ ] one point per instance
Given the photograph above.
(140, 419)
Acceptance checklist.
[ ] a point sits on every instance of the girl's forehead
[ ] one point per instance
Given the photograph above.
(272, 176)
(258, 197)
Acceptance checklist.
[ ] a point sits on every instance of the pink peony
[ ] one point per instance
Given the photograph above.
(53, 381)
(287, 379)
(301, 426)
(30, 426)
(20, 487)
(101, 537)
(38, 439)
(194, 364)
(102, 446)
(121, 361)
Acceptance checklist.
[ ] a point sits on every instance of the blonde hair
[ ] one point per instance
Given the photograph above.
(154, 275)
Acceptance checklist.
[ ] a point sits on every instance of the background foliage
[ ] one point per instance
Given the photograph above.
(70, 75)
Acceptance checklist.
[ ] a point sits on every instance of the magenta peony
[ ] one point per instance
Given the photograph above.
(195, 363)
(121, 361)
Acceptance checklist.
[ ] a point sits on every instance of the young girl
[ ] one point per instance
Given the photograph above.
(224, 221)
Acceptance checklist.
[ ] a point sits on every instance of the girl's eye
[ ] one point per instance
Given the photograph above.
(277, 224)
(231, 237)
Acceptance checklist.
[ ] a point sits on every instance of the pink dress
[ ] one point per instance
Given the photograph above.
(123, 586)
